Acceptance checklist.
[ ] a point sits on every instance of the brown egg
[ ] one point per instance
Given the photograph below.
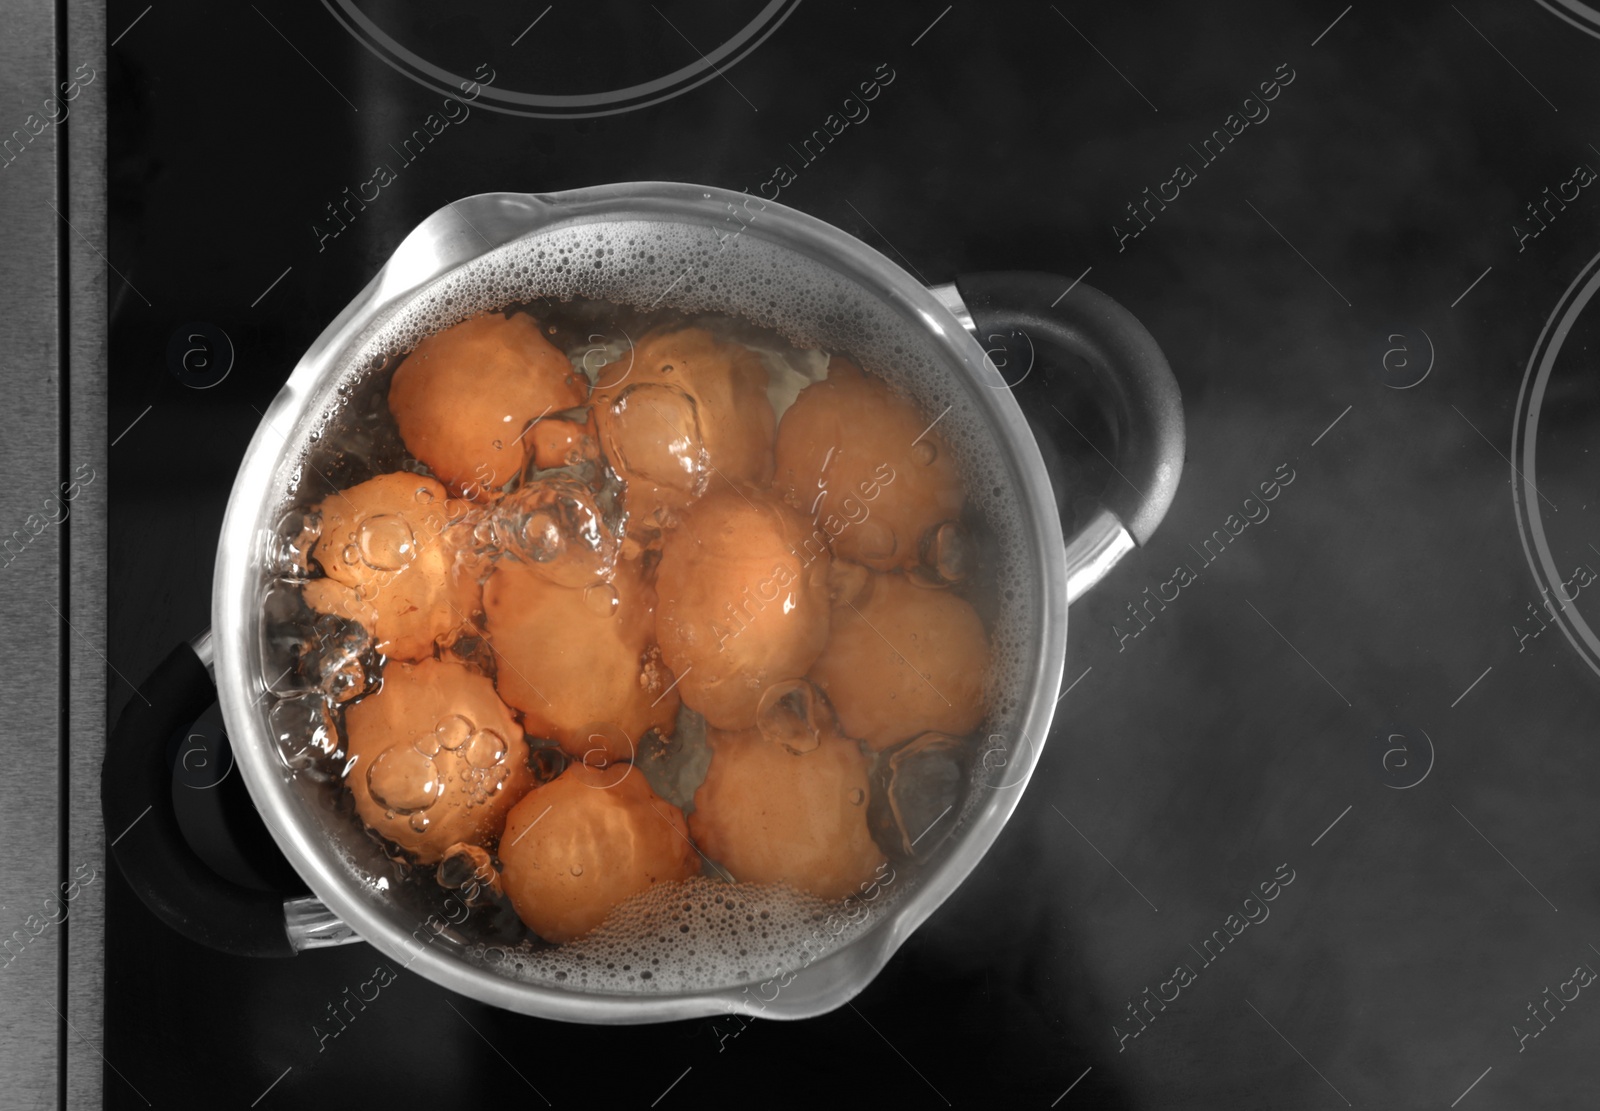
(768, 815)
(902, 660)
(564, 443)
(865, 465)
(586, 841)
(435, 758)
(681, 413)
(579, 662)
(390, 551)
(744, 603)
(464, 397)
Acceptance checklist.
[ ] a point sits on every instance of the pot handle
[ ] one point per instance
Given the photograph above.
(1131, 381)
(149, 847)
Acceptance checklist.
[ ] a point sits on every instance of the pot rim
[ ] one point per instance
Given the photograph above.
(451, 237)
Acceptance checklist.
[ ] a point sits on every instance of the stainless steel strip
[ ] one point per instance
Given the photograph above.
(311, 925)
(950, 297)
(87, 452)
(1093, 551)
(31, 538)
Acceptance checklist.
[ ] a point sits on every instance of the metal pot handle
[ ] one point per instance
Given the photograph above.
(149, 847)
(1132, 382)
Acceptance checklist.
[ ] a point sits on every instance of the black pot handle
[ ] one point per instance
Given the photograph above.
(1131, 382)
(149, 847)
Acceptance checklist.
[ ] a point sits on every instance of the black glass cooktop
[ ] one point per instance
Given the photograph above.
(1314, 826)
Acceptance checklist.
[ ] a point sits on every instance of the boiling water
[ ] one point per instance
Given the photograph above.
(594, 290)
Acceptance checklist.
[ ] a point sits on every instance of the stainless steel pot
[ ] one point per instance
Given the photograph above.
(835, 292)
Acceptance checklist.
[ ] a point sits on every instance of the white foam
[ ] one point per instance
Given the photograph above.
(690, 936)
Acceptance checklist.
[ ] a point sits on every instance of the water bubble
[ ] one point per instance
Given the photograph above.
(453, 731)
(924, 453)
(498, 445)
(467, 644)
(916, 796)
(541, 536)
(419, 822)
(348, 678)
(952, 552)
(305, 733)
(601, 598)
(857, 796)
(794, 714)
(462, 863)
(351, 553)
(554, 524)
(947, 556)
(576, 869)
(424, 495)
(299, 532)
(404, 780)
(337, 658)
(484, 749)
(427, 744)
(386, 542)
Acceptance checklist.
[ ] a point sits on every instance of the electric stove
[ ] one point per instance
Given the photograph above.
(1314, 825)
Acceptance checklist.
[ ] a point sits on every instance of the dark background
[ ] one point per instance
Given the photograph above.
(1200, 757)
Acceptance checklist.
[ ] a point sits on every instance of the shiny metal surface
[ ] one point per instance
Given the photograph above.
(1094, 551)
(311, 925)
(1104, 540)
(454, 235)
(950, 297)
(205, 647)
(52, 533)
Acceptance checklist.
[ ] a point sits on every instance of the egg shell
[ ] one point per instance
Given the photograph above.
(410, 706)
(902, 660)
(394, 561)
(770, 816)
(586, 841)
(867, 466)
(743, 591)
(464, 396)
(681, 413)
(577, 674)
